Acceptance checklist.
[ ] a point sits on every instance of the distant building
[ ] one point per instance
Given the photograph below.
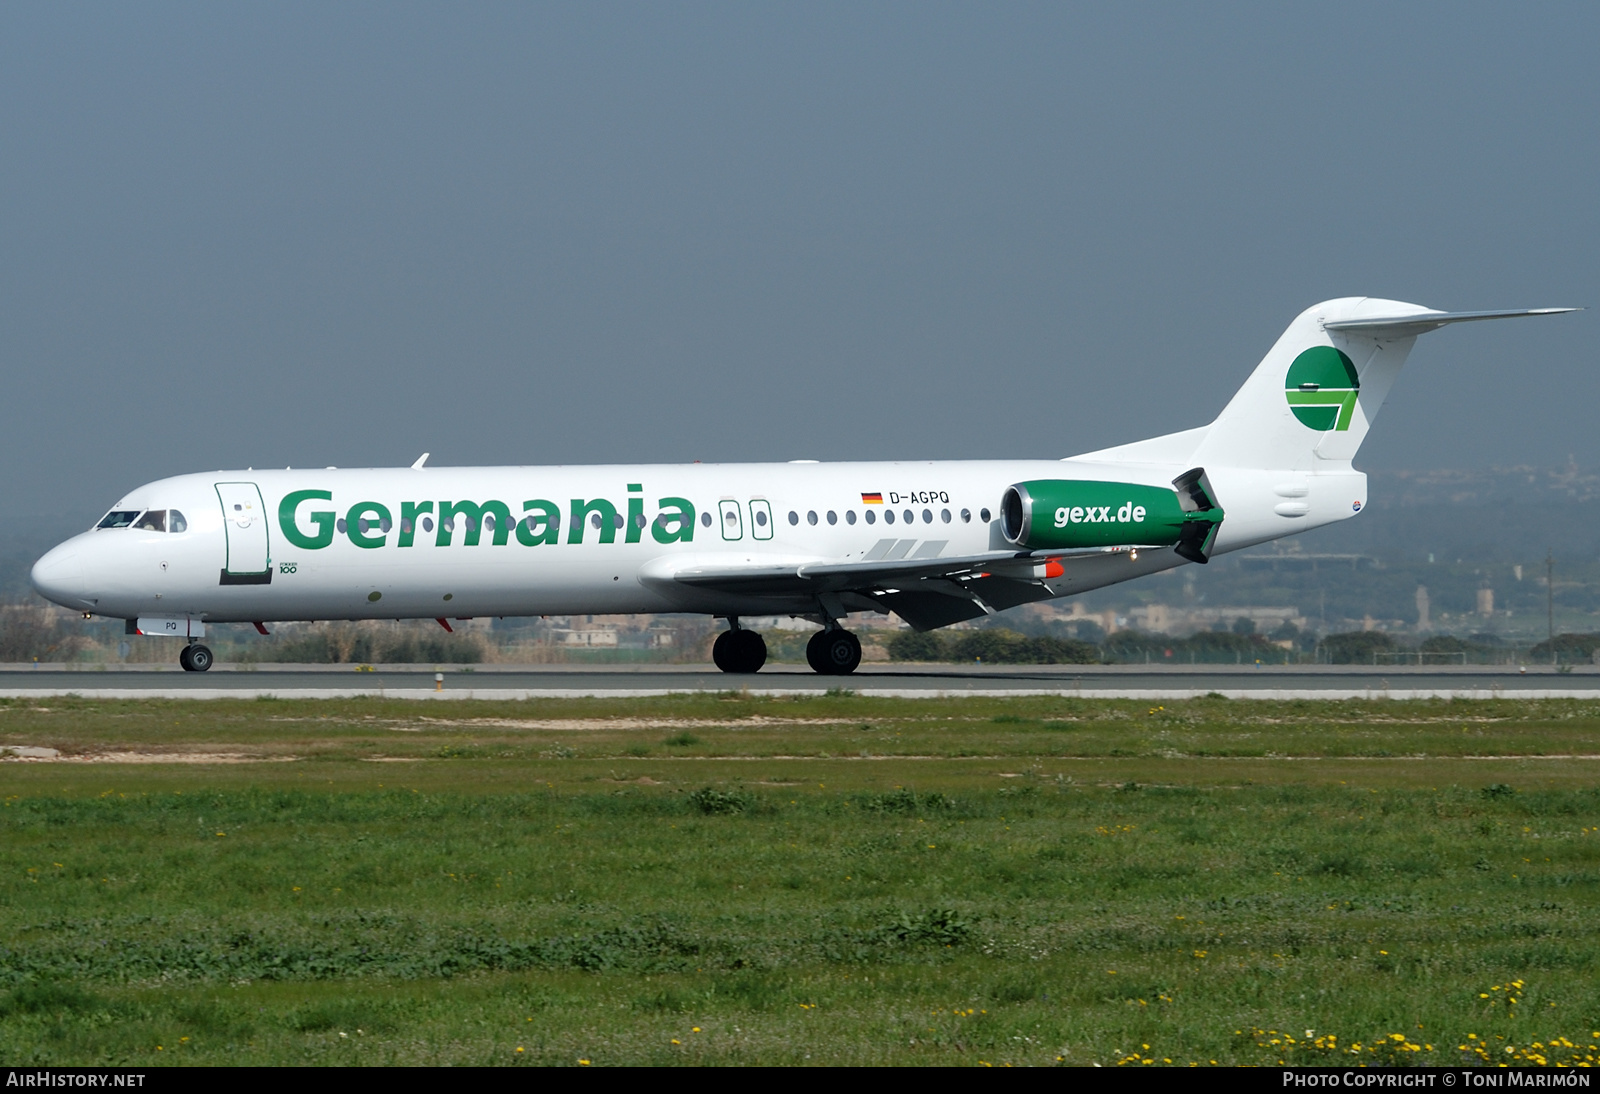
(589, 638)
(1166, 619)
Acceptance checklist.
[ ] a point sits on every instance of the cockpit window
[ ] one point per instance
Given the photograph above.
(154, 520)
(118, 518)
(176, 521)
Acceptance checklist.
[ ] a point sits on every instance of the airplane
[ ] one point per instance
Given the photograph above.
(933, 542)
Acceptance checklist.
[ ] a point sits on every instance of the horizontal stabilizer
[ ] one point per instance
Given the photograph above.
(1405, 326)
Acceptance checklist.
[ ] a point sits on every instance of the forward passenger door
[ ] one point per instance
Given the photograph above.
(244, 521)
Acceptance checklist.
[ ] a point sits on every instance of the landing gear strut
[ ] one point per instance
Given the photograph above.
(194, 658)
(738, 650)
(834, 652)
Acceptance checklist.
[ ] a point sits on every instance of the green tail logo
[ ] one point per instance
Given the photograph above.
(1322, 387)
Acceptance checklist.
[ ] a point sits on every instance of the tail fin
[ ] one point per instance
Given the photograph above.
(1318, 390)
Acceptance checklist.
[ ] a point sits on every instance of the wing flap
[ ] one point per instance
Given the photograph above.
(814, 577)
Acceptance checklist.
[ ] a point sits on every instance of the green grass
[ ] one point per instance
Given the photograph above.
(726, 879)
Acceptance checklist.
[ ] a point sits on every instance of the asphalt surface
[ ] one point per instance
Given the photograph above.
(926, 681)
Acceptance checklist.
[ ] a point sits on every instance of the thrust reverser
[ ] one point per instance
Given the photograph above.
(1075, 514)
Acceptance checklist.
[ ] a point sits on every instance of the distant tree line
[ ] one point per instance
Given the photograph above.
(1378, 647)
(351, 643)
(994, 645)
(30, 631)
(34, 631)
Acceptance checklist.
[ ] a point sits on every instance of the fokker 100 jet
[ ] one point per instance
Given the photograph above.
(934, 542)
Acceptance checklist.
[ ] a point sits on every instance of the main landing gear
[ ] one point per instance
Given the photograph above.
(834, 652)
(194, 658)
(831, 652)
(738, 650)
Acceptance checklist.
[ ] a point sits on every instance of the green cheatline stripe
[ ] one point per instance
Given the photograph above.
(1342, 397)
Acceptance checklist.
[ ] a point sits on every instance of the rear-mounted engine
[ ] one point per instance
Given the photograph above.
(1050, 514)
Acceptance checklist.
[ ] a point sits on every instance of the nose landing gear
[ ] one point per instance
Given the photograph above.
(739, 651)
(194, 658)
(833, 652)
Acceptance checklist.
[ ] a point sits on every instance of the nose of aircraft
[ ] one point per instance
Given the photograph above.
(58, 576)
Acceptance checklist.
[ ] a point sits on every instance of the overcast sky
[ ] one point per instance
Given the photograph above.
(260, 235)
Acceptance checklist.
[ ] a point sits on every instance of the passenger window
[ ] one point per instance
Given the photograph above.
(176, 522)
(944, 515)
(705, 519)
(153, 521)
(849, 516)
(911, 518)
(966, 516)
(872, 517)
(761, 517)
(427, 524)
(833, 518)
(983, 515)
(811, 516)
(927, 516)
(118, 518)
(794, 518)
(888, 515)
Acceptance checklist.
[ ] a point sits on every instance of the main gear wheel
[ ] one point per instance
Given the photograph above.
(739, 651)
(834, 652)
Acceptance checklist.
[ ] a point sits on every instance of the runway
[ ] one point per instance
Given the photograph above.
(521, 682)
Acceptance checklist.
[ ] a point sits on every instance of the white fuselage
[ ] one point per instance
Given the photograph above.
(369, 543)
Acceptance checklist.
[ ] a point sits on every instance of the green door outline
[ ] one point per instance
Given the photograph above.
(732, 521)
(760, 529)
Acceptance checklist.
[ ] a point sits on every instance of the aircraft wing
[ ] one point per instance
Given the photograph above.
(925, 592)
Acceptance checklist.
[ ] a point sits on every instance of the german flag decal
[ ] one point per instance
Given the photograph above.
(871, 499)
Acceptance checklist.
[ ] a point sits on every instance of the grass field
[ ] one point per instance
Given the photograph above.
(725, 879)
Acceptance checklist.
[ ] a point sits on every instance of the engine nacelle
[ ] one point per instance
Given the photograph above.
(1050, 514)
